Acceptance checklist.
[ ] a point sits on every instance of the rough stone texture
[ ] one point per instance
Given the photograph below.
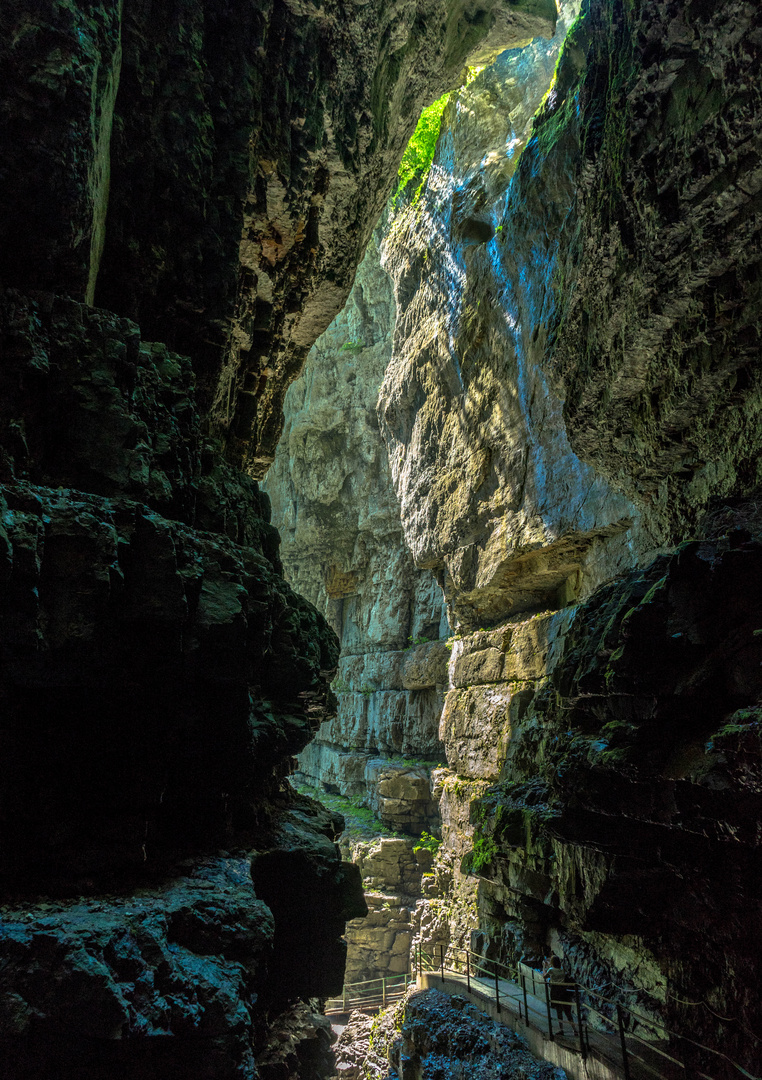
(182, 963)
(574, 387)
(353, 1051)
(212, 172)
(343, 548)
(431, 1036)
(492, 496)
(240, 156)
(156, 675)
(299, 1045)
(391, 872)
(573, 381)
(625, 828)
(656, 336)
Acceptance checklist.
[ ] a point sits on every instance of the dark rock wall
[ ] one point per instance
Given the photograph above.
(157, 674)
(626, 823)
(208, 174)
(656, 336)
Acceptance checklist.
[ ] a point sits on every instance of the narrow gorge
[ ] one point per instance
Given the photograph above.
(380, 528)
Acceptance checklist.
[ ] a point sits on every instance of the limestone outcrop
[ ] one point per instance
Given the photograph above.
(343, 548)
(380, 944)
(572, 391)
(434, 1035)
(208, 176)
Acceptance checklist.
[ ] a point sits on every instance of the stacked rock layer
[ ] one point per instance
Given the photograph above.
(571, 414)
(208, 178)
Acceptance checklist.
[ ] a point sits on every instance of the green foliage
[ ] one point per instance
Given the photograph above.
(366, 689)
(484, 852)
(352, 346)
(417, 159)
(360, 821)
(421, 640)
(428, 842)
(340, 686)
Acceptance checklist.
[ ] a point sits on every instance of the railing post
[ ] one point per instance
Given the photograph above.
(468, 969)
(625, 1059)
(547, 1006)
(524, 991)
(582, 1049)
(383, 991)
(497, 990)
(420, 960)
(441, 960)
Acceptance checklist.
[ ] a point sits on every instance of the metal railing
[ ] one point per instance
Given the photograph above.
(678, 1054)
(370, 994)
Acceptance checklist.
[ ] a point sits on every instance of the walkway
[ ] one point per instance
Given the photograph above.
(614, 1042)
(596, 1056)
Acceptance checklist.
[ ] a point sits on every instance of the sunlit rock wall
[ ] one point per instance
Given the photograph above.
(379, 945)
(342, 546)
(492, 496)
(574, 390)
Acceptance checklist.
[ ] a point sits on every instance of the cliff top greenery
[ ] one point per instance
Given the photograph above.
(417, 159)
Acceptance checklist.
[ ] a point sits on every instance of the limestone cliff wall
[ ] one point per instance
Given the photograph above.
(242, 155)
(573, 390)
(208, 174)
(342, 546)
(572, 394)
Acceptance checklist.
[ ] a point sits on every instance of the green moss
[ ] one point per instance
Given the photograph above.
(359, 820)
(417, 159)
(484, 852)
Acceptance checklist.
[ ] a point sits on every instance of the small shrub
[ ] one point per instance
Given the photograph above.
(428, 842)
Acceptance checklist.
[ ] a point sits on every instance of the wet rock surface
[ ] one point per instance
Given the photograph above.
(241, 159)
(434, 1036)
(625, 825)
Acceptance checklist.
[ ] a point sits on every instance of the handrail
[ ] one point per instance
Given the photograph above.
(390, 988)
(658, 1028)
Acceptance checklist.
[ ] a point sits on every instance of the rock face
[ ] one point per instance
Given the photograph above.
(434, 1036)
(156, 670)
(343, 548)
(571, 409)
(571, 412)
(492, 496)
(625, 823)
(208, 176)
(571, 391)
(240, 159)
(380, 944)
